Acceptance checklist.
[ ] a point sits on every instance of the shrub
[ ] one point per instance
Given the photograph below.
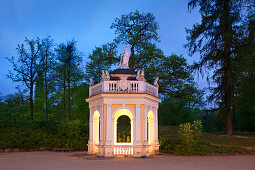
(190, 134)
(49, 134)
(189, 142)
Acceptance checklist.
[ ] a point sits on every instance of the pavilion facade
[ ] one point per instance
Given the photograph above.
(123, 93)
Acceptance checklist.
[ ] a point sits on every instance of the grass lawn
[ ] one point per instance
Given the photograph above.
(239, 139)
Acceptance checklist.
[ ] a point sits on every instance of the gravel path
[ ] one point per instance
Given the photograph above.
(79, 160)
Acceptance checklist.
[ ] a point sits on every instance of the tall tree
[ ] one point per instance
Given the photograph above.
(28, 67)
(60, 75)
(48, 60)
(182, 97)
(44, 84)
(69, 71)
(214, 39)
(137, 30)
(101, 58)
(244, 77)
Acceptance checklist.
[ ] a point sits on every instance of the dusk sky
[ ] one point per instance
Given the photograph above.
(88, 22)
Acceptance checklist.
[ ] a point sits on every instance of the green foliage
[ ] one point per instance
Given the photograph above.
(102, 58)
(217, 39)
(123, 129)
(135, 28)
(33, 135)
(27, 67)
(175, 112)
(69, 74)
(80, 108)
(190, 134)
(124, 137)
(14, 107)
(244, 80)
(189, 141)
(197, 130)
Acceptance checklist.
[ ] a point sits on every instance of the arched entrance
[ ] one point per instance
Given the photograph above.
(123, 119)
(123, 129)
(151, 129)
(96, 118)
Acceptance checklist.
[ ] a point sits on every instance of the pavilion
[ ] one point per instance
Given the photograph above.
(123, 113)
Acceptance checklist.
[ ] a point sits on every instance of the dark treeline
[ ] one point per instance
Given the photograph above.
(54, 83)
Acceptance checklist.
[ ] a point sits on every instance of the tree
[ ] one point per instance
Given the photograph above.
(14, 106)
(182, 97)
(137, 30)
(68, 71)
(214, 38)
(44, 84)
(48, 60)
(80, 108)
(27, 68)
(102, 58)
(244, 78)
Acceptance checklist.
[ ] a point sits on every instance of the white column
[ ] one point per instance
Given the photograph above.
(90, 127)
(101, 118)
(90, 142)
(109, 125)
(133, 131)
(156, 126)
(138, 124)
(145, 122)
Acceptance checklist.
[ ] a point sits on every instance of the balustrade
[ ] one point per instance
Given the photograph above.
(123, 150)
(129, 87)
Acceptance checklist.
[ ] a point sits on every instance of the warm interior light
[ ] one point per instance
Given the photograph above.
(119, 113)
(151, 130)
(96, 117)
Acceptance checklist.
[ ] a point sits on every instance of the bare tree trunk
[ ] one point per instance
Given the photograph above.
(132, 57)
(31, 101)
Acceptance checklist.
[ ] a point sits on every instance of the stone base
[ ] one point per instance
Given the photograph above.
(137, 151)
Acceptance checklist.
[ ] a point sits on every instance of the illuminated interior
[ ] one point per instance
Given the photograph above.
(123, 129)
(151, 129)
(123, 112)
(96, 117)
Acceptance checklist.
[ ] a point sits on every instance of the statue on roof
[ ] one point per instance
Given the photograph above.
(91, 82)
(105, 76)
(124, 58)
(156, 82)
(140, 76)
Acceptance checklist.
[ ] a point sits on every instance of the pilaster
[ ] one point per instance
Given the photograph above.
(138, 124)
(109, 125)
(145, 123)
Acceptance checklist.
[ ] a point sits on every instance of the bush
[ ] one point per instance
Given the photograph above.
(189, 142)
(49, 134)
(190, 134)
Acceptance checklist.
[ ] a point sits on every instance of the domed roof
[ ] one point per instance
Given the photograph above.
(115, 75)
(123, 71)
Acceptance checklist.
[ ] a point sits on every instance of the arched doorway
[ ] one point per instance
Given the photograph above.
(123, 129)
(123, 118)
(151, 128)
(96, 118)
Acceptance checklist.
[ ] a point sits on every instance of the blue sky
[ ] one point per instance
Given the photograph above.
(88, 22)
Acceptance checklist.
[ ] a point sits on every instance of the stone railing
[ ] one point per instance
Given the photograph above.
(123, 150)
(129, 87)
